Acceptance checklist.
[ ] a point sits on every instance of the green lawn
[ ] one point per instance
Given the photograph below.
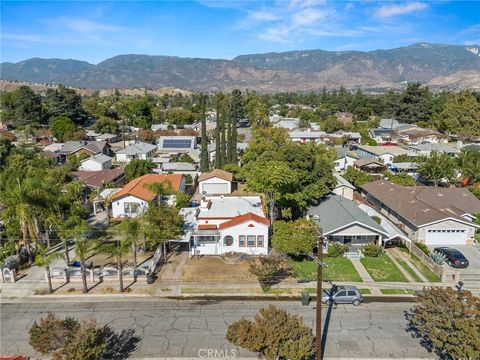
(382, 269)
(365, 291)
(407, 268)
(477, 236)
(397, 291)
(429, 274)
(338, 269)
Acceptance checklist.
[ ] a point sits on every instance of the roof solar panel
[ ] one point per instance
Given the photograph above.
(177, 143)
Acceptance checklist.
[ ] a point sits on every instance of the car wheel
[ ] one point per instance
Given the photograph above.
(356, 302)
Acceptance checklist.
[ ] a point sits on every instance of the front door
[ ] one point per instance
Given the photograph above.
(347, 240)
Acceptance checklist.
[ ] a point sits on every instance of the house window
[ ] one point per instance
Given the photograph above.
(260, 240)
(228, 240)
(251, 240)
(241, 240)
(131, 207)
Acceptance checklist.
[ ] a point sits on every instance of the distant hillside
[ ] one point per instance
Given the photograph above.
(439, 65)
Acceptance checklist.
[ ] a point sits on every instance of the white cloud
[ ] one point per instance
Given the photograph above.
(262, 16)
(386, 11)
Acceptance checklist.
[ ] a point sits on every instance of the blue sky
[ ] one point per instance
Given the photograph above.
(95, 31)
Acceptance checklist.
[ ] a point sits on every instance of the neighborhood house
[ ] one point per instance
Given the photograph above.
(132, 200)
(430, 215)
(215, 182)
(137, 151)
(224, 224)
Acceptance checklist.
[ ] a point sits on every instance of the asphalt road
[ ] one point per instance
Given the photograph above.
(196, 329)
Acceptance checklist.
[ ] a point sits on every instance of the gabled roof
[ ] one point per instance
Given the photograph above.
(341, 181)
(367, 161)
(94, 147)
(222, 174)
(99, 178)
(137, 148)
(243, 218)
(99, 158)
(336, 212)
(139, 187)
(423, 205)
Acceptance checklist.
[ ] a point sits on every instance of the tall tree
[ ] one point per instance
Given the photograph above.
(436, 167)
(219, 133)
(63, 128)
(237, 113)
(64, 102)
(131, 228)
(204, 158)
(28, 107)
(119, 250)
(461, 115)
(415, 104)
(44, 259)
(83, 249)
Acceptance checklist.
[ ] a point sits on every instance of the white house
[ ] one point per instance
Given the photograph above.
(215, 182)
(229, 224)
(430, 215)
(343, 187)
(132, 200)
(307, 136)
(427, 148)
(385, 154)
(345, 159)
(137, 151)
(96, 163)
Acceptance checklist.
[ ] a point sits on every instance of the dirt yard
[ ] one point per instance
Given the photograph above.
(213, 268)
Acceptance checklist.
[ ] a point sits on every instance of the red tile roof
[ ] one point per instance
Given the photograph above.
(225, 175)
(243, 218)
(138, 187)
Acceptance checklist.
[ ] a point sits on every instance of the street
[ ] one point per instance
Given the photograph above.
(196, 329)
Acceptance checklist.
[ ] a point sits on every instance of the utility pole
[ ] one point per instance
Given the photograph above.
(318, 338)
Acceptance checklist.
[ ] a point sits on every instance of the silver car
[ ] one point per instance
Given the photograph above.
(343, 294)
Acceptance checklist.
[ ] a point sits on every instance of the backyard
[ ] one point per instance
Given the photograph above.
(338, 269)
(382, 269)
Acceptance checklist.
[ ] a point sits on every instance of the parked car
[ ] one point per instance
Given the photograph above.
(391, 243)
(454, 258)
(343, 294)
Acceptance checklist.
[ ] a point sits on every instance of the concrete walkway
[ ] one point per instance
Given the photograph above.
(400, 267)
(409, 263)
(366, 278)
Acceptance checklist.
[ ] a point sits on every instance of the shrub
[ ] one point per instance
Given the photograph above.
(423, 247)
(51, 333)
(269, 270)
(336, 249)
(438, 258)
(275, 334)
(89, 342)
(372, 250)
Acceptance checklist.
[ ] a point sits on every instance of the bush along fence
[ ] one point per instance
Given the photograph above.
(427, 260)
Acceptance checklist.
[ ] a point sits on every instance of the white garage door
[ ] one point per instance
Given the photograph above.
(215, 188)
(446, 237)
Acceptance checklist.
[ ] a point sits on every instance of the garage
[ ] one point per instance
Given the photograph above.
(446, 237)
(214, 188)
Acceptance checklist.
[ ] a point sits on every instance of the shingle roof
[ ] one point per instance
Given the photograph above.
(341, 181)
(225, 175)
(99, 158)
(336, 212)
(381, 150)
(178, 166)
(99, 178)
(138, 187)
(423, 205)
(243, 218)
(367, 161)
(137, 148)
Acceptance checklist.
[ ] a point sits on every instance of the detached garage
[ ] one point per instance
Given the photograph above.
(215, 182)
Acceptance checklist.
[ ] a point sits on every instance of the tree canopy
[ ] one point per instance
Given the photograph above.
(297, 237)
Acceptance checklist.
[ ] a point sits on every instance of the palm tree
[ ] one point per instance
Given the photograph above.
(118, 250)
(132, 230)
(83, 249)
(21, 204)
(43, 258)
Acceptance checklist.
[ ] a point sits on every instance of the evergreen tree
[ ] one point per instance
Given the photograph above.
(204, 163)
(219, 134)
(236, 114)
(28, 109)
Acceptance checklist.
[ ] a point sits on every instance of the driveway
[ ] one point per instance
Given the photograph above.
(472, 272)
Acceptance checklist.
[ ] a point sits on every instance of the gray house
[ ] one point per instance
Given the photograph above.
(343, 221)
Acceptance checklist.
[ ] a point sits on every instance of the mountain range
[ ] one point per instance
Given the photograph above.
(437, 65)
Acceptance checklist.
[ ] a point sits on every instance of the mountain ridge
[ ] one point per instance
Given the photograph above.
(441, 65)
